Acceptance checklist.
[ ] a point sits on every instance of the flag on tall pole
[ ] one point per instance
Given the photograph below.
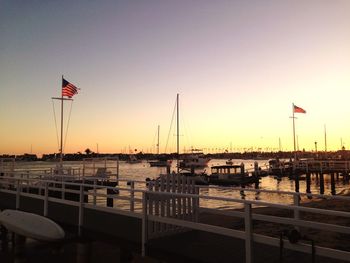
(68, 89)
(297, 109)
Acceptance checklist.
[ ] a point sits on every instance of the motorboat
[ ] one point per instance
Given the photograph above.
(194, 161)
(231, 175)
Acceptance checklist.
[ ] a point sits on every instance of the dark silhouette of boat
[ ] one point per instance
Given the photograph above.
(231, 175)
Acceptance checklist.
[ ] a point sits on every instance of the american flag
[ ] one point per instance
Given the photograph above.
(298, 109)
(68, 89)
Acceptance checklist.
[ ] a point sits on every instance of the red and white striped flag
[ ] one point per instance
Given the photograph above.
(68, 89)
(298, 109)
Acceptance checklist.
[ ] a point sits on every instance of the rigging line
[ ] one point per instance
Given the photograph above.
(54, 115)
(171, 125)
(65, 136)
(187, 133)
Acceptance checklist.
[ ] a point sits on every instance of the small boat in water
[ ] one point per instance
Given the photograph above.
(229, 162)
(132, 159)
(161, 162)
(194, 161)
(231, 175)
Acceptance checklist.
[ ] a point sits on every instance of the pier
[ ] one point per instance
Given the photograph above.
(155, 213)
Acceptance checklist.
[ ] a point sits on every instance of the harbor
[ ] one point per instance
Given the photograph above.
(174, 131)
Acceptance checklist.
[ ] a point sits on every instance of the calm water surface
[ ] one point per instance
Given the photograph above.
(141, 171)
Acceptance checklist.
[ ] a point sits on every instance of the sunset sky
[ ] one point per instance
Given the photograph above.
(237, 65)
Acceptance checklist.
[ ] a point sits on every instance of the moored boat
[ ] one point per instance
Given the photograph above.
(194, 161)
(132, 159)
(231, 175)
(279, 167)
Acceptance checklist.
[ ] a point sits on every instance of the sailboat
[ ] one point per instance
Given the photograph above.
(201, 178)
(162, 159)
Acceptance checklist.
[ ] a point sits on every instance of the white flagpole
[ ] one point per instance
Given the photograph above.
(325, 138)
(178, 135)
(61, 145)
(295, 154)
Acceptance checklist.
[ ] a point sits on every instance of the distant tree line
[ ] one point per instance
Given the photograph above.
(79, 156)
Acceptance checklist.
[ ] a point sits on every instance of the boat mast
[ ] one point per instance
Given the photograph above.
(178, 136)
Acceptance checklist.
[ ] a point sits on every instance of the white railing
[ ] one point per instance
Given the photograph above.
(135, 194)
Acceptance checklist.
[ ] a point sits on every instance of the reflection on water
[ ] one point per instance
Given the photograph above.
(140, 171)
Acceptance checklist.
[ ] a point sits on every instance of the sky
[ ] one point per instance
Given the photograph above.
(238, 66)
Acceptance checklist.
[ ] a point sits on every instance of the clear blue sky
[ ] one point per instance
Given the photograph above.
(238, 66)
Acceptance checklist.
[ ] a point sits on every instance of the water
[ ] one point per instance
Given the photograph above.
(141, 171)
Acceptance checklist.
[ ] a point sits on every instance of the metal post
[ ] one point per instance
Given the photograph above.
(248, 232)
(46, 199)
(18, 193)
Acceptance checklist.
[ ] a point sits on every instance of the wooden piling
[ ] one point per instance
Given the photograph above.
(321, 183)
(332, 184)
(110, 199)
(297, 182)
(308, 183)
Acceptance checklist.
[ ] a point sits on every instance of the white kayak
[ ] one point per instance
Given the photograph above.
(31, 225)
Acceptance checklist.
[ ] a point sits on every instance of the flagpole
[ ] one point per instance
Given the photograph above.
(61, 144)
(325, 138)
(158, 141)
(295, 154)
(178, 136)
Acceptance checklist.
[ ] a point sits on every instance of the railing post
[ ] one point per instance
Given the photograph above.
(63, 190)
(18, 193)
(196, 202)
(81, 207)
(27, 181)
(46, 199)
(94, 193)
(296, 202)
(144, 224)
(248, 232)
(132, 196)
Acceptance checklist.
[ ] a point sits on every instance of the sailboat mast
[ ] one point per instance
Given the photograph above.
(178, 136)
(61, 145)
